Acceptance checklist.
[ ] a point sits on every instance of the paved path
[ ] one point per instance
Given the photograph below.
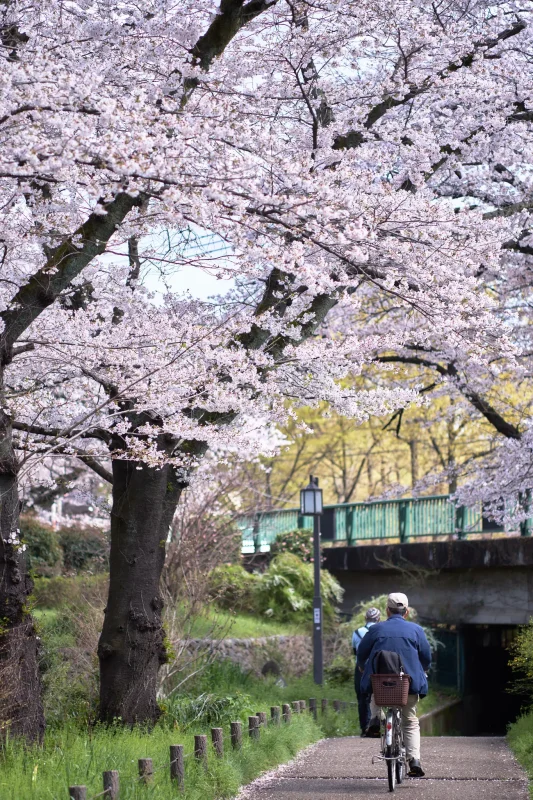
(457, 768)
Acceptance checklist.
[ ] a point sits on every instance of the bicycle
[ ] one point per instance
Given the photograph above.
(390, 692)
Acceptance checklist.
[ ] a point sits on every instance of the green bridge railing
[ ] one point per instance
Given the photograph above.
(353, 523)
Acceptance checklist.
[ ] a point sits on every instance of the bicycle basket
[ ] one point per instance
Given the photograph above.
(390, 690)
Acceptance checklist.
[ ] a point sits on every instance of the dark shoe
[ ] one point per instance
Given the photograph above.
(374, 729)
(415, 769)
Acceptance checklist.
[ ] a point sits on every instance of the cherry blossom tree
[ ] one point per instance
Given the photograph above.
(312, 139)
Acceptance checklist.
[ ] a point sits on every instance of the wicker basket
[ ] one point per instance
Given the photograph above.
(390, 690)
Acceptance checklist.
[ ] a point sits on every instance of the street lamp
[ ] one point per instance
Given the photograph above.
(311, 505)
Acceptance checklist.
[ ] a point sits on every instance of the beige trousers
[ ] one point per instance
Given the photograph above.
(410, 725)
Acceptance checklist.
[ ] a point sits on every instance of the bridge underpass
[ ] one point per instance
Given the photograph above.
(468, 578)
(474, 593)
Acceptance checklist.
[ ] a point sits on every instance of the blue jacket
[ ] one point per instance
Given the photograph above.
(402, 637)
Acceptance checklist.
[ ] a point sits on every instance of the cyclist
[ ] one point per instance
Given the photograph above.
(372, 616)
(409, 641)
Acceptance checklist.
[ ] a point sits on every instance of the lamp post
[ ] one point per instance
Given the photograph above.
(311, 505)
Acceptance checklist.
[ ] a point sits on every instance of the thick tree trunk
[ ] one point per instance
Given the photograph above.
(21, 711)
(132, 648)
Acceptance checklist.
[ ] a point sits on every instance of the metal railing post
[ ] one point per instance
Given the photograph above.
(460, 522)
(402, 521)
(256, 535)
(525, 502)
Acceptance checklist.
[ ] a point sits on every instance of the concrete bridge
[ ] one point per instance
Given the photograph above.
(482, 582)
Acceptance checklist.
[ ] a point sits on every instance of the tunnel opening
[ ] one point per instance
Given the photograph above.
(475, 660)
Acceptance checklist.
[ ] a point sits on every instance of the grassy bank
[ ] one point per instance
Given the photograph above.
(70, 757)
(520, 738)
(214, 624)
(221, 624)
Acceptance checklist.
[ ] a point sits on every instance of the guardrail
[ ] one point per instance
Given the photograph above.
(402, 520)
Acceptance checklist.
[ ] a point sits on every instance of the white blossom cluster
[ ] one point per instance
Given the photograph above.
(13, 539)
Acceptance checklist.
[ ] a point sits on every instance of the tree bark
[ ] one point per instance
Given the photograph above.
(132, 647)
(21, 711)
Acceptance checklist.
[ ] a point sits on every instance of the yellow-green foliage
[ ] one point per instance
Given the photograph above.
(522, 661)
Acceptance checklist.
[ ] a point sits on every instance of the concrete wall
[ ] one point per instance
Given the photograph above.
(480, 582)
(294, 654)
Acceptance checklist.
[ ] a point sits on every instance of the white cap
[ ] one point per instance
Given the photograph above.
(397, 600)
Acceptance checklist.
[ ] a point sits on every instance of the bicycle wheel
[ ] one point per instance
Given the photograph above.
(400, 750)
(400, 770)
(390, 754)
(391, 767)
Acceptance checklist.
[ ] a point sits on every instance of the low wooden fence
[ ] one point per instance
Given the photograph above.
(176, 764)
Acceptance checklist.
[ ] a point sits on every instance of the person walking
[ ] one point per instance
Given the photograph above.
(409, 642)
(372, 616)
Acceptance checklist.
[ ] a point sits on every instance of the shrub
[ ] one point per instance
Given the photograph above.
(298, 542)
(522, 661)
(285, 591)
(60, 591)
(45, 556)
(232, 587)
(84, 549)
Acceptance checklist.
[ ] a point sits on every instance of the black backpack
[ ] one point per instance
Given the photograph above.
(387, 662)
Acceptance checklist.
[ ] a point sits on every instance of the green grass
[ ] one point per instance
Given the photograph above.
(222, 624)
(520, 738)
(215, 624)
(70, 757)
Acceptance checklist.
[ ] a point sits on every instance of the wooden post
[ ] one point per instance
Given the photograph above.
(303, 706)
(111, 784)
(200, 748)
(177, 766)
(146, 769)
(217, 737)
(275, 713)
(262, 717)
(77, 792)
(286, 709)
(236, 735)
(344, 705)
(312, 706)
(324, 705)
(296, 706)
(253, 727)
(337, 705)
